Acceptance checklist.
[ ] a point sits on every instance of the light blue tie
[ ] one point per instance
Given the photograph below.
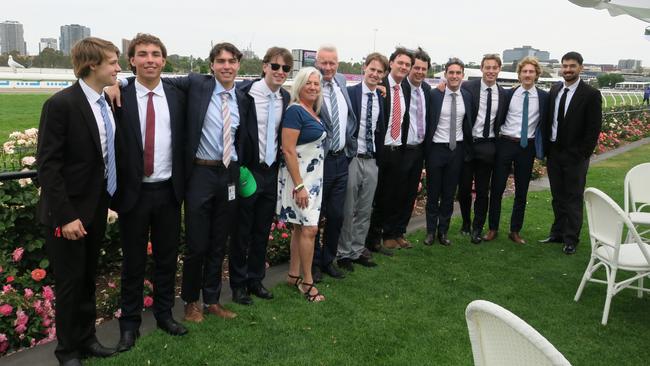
(269, 155)
(111, 185)
(523, 140)
(336, 129)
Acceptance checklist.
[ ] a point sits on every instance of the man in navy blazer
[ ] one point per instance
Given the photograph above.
(519, 142)
(363, 169)
(446, 147)
(266, 100)
(340, 146)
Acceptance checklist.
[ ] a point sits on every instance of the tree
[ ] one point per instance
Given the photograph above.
(609, 80)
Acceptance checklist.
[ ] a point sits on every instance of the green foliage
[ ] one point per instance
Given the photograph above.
(609, 80)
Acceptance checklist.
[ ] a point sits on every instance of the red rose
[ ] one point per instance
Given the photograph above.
(38, 274)
(10, 279)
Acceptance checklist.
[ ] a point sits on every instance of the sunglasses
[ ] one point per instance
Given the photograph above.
(276, 67)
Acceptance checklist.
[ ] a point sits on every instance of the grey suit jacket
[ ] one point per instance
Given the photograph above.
(352, 128)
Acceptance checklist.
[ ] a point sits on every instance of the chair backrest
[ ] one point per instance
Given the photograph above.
(606, 221)
(501, 338)
(636, 191)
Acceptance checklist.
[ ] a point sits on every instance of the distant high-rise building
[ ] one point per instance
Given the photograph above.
(11, 37)
(629, 64)
(71, 34)
(47, 43)
(125, 47)
(516, 54)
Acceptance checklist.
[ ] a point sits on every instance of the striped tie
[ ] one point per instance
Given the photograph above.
(336, 129)
(111, 184)
(227, 135)
(396, 122)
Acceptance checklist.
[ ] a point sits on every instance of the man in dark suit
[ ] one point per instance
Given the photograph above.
(390, 193)
(340, 146)
(77, 174)
(570, 136)
(363, 170)
(448, 130)
(518, 143)
(151, 187)
(267, 101)
(488, 109)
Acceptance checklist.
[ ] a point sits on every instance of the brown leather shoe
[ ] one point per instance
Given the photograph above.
(403, 243)
(514, 236)
(193, 312)
(391, 244)
(491, 235)
(220, 311)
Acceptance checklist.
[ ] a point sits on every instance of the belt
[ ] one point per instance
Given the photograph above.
(336, 153)
(205, 162)
(392, 147)
(515, 139)
(366, 156)
(483, 139)
(156, 185)
(446, 144)
(413, 147)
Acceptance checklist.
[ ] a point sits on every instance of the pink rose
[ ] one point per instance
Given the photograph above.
(111, 284)
(281, 225)
(118, 313)
(149, 248)
(21, 318)
(284, 235)
(148, 284)
(28, 293)
(148, 301)
(38, 274)
(18, 254)
(3, 346)
(48, 293)
(20, 328)
(270, 237)
(272, 226)
(6, 310)
(46, 322)
(10, 279)
(7, 288)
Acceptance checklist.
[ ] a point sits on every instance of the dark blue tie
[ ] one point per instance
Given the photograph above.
(370, 147)
(523, 141)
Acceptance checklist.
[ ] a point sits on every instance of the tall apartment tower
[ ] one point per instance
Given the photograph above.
(71, 34)
(11, 37)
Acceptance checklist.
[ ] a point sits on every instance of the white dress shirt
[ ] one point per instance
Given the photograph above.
(412, 138)
(388, 140)
(512, 126)
(569, 95)
(477, 131)
(162, 148)
(361, 139)
(261, 92)
(442, 130)
(342, 108)
(93, 97)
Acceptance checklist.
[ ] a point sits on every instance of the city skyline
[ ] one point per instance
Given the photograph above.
(467, 30)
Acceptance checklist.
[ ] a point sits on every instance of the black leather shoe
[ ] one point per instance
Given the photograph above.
(569, 249)
(127, 340)
(381, 250)
(331, 270)
(476, 237)
(465, 230)
(71, 362)
(96, 349)
(551, 239)
(442, 238)
(172, 327)
(316, 274)
(345, 264)
(366, 262)
(240, 296)
(260, 291)
(429, 239)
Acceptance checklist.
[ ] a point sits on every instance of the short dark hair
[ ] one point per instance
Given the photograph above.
(401, 51)
(376, 56)
(224, 46)
(573, 55)
(90, 51)
(421, 55)
(455, 61)
(144, 38)
(274, 52)
(491, 56)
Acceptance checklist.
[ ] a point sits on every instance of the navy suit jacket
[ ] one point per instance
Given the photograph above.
(437, 98)
(355, 99)
(130, 160)
(474, 88)
(351, 129)
(542, 97)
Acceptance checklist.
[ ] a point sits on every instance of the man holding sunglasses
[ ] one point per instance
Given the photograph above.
(266, 100)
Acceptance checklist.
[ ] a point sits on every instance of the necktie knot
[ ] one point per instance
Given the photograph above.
(151, 94)
(396, 87)
(224, 96)
(566, 90)
(526, 92)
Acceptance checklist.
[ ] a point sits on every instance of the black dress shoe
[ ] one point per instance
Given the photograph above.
(476, 237)
(333, 272)
(569, 249)
(95, 349)
(345, 264)
(428, 240)
(71, 362)
(172, 327)
(366, 262)
(316, 274)
(260, 291)
(443, 240)
(551, 239)
(465, 230)
(240, 296)
(381, 250)
(127, 340)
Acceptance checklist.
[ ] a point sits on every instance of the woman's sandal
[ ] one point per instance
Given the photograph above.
(294, 281)
(317, 297)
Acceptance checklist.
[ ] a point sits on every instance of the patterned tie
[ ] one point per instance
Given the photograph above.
(452, 123)
(370, 147)
(111, 185)
(149, 137)
(269, 155)
(336, 129)
(420, 107)
(227, 136)
(523, 140)
(488, 114)
(396, 123)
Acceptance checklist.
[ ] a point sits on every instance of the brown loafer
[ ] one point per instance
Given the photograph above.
(391, 244)
(491, 235)
(220, 311)
(193, 312)
(514, 236)
(403, 243)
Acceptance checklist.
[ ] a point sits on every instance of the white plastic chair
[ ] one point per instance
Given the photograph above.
(637, 196)
(606, 223)
(500, 338)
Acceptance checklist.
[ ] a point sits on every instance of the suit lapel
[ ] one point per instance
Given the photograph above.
(89, 117)
(133, 116)
(172, 100)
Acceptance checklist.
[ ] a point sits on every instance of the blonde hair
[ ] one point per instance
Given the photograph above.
(529, 60)
(299, 82)
(90, 51)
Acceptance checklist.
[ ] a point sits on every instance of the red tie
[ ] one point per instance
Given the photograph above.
(149, 135)
(396, 122)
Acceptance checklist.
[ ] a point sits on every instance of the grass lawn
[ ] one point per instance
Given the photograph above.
(611, 100)
(19, 112)
(410, 309)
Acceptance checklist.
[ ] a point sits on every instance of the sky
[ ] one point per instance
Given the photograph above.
(452, 28)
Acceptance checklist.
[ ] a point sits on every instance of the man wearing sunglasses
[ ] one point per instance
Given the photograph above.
(267, 101)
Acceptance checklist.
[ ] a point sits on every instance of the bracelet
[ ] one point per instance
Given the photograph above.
(299, 187)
